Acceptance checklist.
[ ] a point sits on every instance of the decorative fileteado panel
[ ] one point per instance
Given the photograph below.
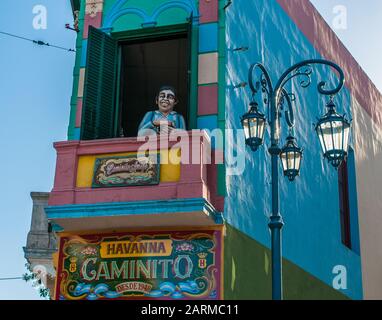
(175, 264)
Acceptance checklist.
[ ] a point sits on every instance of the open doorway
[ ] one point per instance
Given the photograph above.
(146, 65)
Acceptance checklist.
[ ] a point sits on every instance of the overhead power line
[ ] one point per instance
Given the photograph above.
(38, 42)
(14, 278)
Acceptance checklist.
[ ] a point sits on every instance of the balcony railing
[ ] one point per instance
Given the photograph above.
(185, 194)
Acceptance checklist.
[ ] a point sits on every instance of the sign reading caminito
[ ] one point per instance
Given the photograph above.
(149, 265)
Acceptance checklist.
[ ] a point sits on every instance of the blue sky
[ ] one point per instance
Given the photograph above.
(363, 33)
(35, 91)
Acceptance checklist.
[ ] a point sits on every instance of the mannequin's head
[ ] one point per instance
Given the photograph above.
(166, 99)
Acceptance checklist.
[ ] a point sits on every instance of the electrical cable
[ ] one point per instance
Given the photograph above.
(38, 42)
(14, 278)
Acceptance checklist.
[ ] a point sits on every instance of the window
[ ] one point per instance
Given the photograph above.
(343, 188)
(145, 67)
(123, 77)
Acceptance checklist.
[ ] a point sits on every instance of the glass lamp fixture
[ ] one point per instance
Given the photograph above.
(253, 123)
(291, 156)
(333, 132)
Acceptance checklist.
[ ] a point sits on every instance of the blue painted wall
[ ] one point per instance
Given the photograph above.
(312, 233)
(208, 37)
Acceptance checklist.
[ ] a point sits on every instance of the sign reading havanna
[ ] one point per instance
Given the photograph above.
(164, 265)
(148, 248)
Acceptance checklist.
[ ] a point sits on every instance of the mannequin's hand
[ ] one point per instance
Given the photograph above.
(159, 123)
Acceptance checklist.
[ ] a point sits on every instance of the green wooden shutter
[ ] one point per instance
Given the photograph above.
(100, 83)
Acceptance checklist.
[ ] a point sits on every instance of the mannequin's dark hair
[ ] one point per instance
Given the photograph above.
(166, 87)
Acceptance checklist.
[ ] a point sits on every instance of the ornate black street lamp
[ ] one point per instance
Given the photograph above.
(291, 156)
(332, 130)
(254, 123)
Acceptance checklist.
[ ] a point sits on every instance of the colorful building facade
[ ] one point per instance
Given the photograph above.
(197, 227)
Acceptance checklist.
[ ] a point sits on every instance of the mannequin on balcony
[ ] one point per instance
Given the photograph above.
(165, 119)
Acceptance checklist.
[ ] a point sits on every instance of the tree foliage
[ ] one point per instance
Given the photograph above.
(36, 280)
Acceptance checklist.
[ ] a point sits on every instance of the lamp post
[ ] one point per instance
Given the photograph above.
(332, 130)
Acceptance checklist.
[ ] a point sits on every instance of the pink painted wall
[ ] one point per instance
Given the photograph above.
(207, 100)
(208, 10)
(92, 21)
(194, 175)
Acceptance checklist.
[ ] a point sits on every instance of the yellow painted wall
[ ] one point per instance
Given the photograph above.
(169, 170)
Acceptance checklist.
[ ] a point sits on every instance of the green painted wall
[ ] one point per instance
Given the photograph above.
(247, 273)
(221, 189)
(76, 73)
(132, 21)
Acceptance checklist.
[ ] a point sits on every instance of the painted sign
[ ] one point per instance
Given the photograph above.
(149, 265)
(132, 170)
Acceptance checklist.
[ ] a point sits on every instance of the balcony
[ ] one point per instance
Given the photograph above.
(184, 195)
